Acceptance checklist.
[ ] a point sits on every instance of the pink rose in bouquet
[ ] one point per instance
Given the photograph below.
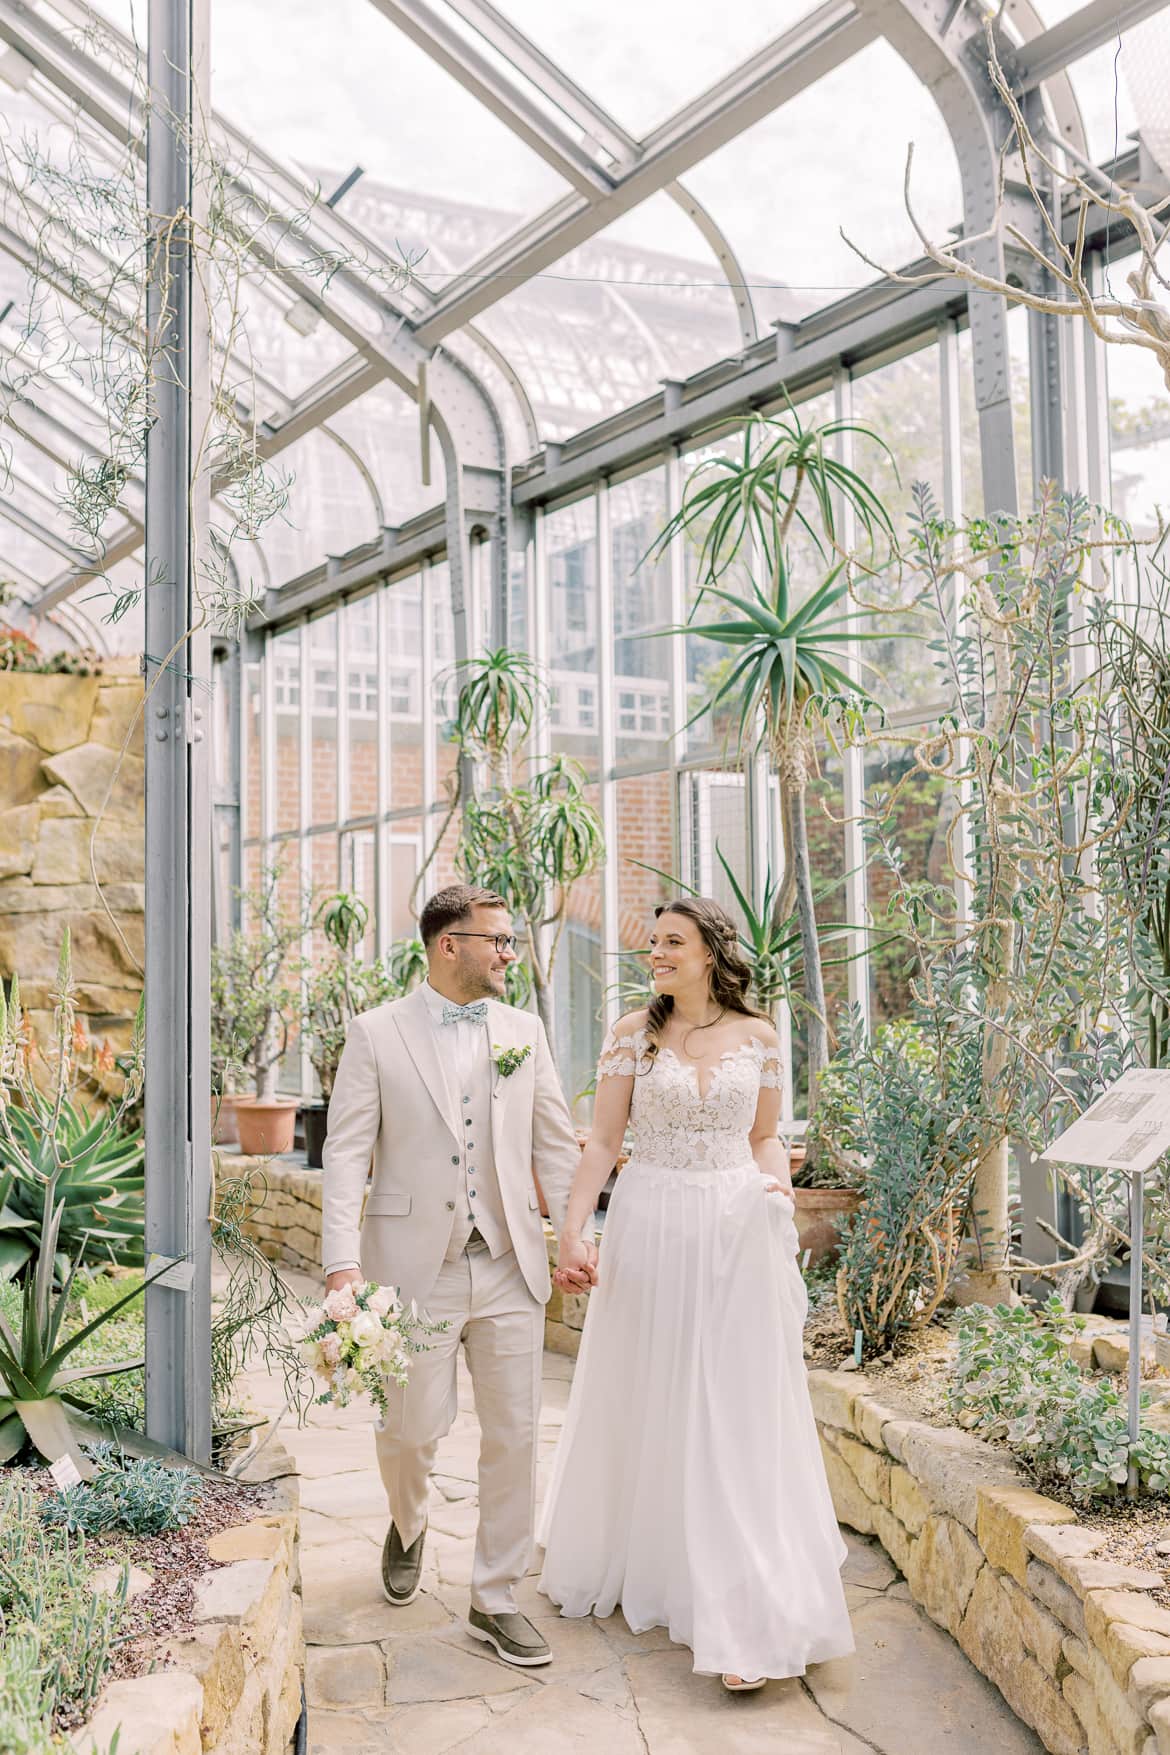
(363, 1337)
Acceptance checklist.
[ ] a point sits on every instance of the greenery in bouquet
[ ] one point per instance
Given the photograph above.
(364, 1336)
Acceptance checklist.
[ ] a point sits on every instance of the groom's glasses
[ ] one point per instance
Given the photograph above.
(503, 941)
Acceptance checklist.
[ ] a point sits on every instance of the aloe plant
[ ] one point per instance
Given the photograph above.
(99, 1171)
(36, 1379)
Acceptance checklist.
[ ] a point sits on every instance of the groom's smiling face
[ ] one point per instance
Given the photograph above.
(471, 961)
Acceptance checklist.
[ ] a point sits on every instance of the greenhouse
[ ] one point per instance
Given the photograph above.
(527, 533)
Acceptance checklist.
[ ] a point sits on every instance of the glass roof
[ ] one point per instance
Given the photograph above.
(537, 114)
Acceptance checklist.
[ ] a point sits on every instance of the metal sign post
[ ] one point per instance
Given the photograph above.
(1137, 1190)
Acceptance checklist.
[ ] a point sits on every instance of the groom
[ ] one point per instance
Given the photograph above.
(454, 1097)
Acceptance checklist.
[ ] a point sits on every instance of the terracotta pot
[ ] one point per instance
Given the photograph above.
(267, 1126)
(817, 1213)
(224, 1131)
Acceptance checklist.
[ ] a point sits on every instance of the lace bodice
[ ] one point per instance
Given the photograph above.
(673, 1122)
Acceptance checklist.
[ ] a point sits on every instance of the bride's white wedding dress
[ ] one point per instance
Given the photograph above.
(688, 1485)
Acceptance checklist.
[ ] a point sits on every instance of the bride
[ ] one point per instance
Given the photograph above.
(688, 1485)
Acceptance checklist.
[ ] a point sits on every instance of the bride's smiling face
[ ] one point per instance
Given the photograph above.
(679, 960)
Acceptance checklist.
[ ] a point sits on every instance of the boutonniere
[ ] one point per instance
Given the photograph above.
(509, 1060)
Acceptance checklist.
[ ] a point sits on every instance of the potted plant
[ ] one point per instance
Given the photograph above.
(337, 991)
(254, 995)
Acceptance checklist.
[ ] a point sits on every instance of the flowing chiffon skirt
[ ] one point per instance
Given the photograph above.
(688, 1485)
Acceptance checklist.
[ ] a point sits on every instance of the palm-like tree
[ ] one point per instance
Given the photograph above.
(790, 653)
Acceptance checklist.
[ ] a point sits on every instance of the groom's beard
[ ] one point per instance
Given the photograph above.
(478, 984)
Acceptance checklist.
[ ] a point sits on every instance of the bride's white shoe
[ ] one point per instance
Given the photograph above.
(737, 1685)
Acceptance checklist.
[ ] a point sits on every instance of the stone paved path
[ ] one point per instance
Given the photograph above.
(411, 1682)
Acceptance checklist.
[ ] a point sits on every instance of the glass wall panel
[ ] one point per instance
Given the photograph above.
(285, 657)
(714, 817)
(571, 547)
(403, 688)
(323, 719)
(405, 853)
(329, 510)
(445, 691)
(918, 811)
(645, 838)
(582, 974)
(901, 404)
(1139, 434)
(361, 704)
(825, 809)
(641, 605)
(359, 876)
(252, 779)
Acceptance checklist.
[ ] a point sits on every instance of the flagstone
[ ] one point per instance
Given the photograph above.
(910, 1690)
(350, 1675)
(434, 1727)
(867, 1563)
(559, 1720)
(679, 1711)
(438, 1669)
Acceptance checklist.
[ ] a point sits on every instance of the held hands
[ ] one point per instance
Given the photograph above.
(576, 1269)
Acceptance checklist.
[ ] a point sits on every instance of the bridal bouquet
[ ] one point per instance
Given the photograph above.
(365, 1335)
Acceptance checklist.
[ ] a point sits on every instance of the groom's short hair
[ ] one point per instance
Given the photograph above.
(447, 908)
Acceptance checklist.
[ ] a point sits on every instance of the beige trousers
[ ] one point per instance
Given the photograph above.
(488, 1308)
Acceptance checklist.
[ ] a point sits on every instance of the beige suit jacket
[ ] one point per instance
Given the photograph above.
(390, 1107)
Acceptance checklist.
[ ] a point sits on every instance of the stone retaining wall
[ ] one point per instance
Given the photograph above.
(234, 1682)
(286, 1226)
(60, 744)
(1075, 1644)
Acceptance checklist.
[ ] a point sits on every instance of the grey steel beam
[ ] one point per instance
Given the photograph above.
(1102, 21)
(828, 36)
(944, 46)
(178, 779)
(34, 527)
(506, 99)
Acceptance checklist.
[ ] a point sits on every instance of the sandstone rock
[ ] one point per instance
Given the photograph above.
(1058, 1597)
(1080, 1347)
(1122, 1645)
(834, 1394)
(54, 712)
(871, 1470)
(216, 1656)
(1159, 1718)
(989, 1634)
(63, 852)
(1087, 1575)
(117, 705)
(21, 775)
(1003, 1516)
(560, 1339)
(18, 839)
(895, 1538)
(348, 1675)
(58, 801)
(261, 1539)
(1042, 1634)
(1119, 1725)
(158, 1713)
(1056, 1543)
(952, 1467)
(942, 1570)
(31, 944)
(1111, 1350)
(92, 773)
(235, 1593)
(870, 1416)
(1149, 1680)
(907, 1500)
(1134, 1607)
(849, 1502)
(107, 1579)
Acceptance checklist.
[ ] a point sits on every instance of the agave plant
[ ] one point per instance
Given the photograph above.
(99, 1181)
(790, 672)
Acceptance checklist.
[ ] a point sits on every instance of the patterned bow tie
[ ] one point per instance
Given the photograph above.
(467, 1014)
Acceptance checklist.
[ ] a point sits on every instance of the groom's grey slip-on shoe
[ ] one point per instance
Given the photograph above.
(402, 1567)
(513, 1636)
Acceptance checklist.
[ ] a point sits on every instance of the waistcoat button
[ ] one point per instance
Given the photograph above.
(450, 1206)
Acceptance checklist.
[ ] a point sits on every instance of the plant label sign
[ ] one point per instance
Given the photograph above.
(65, 1473)
(1126, 1129)
(179, 1275)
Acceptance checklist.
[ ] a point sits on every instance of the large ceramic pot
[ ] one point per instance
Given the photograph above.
(224, 1130)
(818, 1212)
(267, 1125)
(316, 1122)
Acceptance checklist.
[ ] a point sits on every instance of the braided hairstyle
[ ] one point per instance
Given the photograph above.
(731, 973)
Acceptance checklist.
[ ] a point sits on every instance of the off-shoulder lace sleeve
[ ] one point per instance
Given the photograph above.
(619, 1055)
(771, 1072)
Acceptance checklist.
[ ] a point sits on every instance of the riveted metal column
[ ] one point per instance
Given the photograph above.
(853, 758)
(607, 755)
(178, 778)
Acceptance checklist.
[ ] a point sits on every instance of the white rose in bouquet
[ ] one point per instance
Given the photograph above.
(365, 1329)
(363, 1336)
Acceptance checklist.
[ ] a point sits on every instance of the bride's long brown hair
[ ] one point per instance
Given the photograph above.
(731, 975)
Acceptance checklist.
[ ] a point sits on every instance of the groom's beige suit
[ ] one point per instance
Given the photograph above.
(452, 1219)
